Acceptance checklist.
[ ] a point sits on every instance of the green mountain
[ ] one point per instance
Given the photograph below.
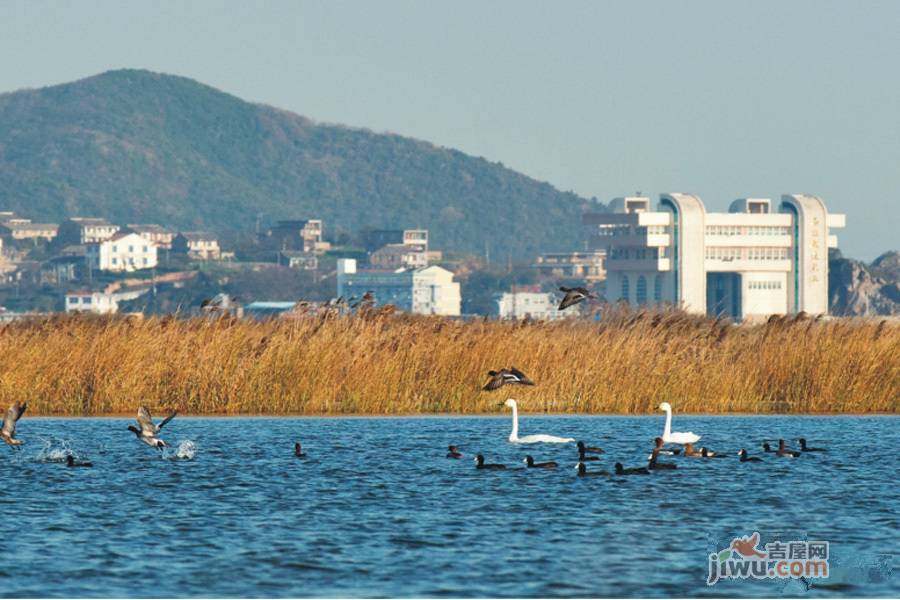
(137, 146)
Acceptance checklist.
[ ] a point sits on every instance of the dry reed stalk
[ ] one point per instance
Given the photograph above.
(398, 364)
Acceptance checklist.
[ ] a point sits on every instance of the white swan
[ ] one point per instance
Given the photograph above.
(675, 437)
(530, 439)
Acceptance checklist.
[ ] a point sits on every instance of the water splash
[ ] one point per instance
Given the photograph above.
(53, 450)
(185, 450)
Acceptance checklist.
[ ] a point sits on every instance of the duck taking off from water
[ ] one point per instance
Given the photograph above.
(504, 376)
(675, 437)
(573, 296)
(529, 439)
(15, 412)
(148, 430)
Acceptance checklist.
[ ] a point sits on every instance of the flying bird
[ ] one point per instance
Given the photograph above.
(504, 376)
(8, 433)
(366, 302)
(574, 296)
(217, 303)
(148, 430)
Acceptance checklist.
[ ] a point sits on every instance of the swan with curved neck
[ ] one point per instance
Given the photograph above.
(530, 439)
(675, 437)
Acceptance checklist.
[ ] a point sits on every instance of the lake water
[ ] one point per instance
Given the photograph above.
(377, 510)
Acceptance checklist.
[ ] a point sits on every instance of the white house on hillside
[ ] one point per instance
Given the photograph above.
(528, 301)
(122, 252)
(85, 230)
(198, 245)
(152, 232)
(426, 291)
(101, 303)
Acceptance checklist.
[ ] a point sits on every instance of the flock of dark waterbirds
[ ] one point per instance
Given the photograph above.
(148, 432)
(587, 454)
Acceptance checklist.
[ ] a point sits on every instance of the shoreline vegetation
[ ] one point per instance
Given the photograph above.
(397, 365)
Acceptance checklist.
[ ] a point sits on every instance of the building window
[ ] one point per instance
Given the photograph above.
(641, 290)
(626, 291)
(115, 261)
(145, 249)
(657, 289)
(87, 300)
(114, 249)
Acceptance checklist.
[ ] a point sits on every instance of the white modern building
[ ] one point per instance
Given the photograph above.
(529, 302)
(101, 303)
(122, 252)
(751, 262)
(426, 291)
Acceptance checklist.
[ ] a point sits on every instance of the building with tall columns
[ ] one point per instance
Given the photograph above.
(748, 263)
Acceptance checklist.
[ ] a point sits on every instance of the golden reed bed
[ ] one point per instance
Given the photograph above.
(405, 365)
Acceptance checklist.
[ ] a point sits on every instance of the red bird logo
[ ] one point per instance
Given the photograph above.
(746, 547)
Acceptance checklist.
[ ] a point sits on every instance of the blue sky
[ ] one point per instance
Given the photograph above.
(723, 99)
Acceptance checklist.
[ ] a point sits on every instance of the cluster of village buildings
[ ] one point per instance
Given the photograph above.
(753, 261)
(760, 258)
(83, 249)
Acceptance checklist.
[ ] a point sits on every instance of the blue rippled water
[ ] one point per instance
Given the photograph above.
(377, 510)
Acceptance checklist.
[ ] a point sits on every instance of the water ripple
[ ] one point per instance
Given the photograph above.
(377, 510)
